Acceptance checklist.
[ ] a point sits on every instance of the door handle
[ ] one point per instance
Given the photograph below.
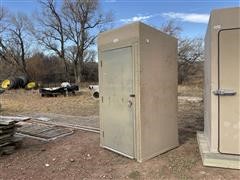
(224, 92)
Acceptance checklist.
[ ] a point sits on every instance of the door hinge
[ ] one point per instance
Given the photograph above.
(102, 133)
(101, 63)
(102, 99)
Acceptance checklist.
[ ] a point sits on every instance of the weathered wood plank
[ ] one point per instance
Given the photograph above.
(2, 137)
(7, 150)
(5, 140)
(7, 127)
(7, 131)
(6, 122)
(15, 118)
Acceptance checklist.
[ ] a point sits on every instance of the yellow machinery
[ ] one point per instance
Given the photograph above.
(5, 84)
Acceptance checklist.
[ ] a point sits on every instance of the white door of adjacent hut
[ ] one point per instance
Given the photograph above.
(118, 103)
(229, 89)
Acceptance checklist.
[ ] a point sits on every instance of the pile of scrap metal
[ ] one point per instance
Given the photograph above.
(18, 82)
(94, 90)
(65, 89)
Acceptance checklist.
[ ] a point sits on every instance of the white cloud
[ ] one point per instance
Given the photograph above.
(188, 17)
(136, 18)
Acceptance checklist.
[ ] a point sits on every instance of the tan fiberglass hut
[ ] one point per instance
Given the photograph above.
(138, 91)
(220, 142)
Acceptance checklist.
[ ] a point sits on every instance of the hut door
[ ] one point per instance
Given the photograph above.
(117, 102)
(229, 91)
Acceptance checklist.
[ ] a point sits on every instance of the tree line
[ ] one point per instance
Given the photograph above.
(66, 31)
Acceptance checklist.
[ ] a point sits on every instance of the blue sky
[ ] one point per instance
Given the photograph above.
(191, 15)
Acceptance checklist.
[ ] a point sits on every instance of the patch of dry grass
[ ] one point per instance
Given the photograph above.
(190, 90)
(22, 101)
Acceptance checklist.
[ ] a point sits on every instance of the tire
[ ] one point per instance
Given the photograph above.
(23, 80)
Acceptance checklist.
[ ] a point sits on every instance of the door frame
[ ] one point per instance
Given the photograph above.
(134, 50)
(218, 55)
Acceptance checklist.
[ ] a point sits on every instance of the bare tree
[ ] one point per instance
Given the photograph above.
(88, 56)
(190, 51)
(82, 18)
(13, 41)
(49, 30)
(3, 27)
(18, 40)
(171, 28)
(3, 16)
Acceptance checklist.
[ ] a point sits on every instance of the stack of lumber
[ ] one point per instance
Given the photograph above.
(8, 140)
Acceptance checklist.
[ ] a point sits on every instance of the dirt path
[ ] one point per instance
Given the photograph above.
(80, 157)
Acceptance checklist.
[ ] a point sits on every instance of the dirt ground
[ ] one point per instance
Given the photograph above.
(79, 156)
